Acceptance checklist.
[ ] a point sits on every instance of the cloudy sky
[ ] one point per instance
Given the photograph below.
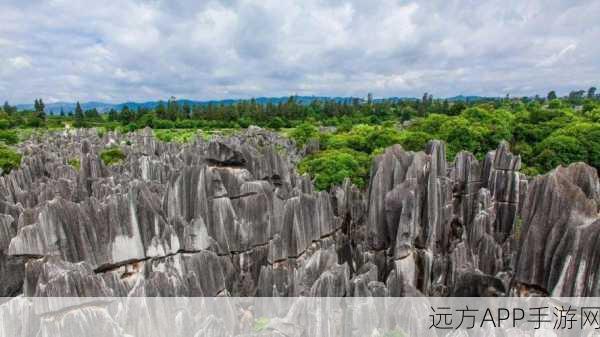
(140, 50)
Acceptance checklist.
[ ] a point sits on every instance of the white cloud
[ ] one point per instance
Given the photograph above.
(554, 58)
(19, 62)
(143, 50)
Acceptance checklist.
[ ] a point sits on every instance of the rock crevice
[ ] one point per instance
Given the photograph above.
(231, 216)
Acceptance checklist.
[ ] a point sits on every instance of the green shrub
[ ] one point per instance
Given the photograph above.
(74, 163)
(588, 135)
(363, 138)
(34, 122)
(496, 125)
(260, 324)
(303, 132)
(460, 134)
(432, 124)
(394, 333)
(414, 140)
(530, 171)
(9, 159)
(163, 136)
(132, 127)
(518, 228)
(276, 123)
(163, 124)
(186, 124)
(559, 150)
(111, 156)
(4, 124)
(331, 167)
(9, 137)
(178, 136)
(555, 104)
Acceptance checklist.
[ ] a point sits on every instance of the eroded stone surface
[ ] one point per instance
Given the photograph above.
(231, 216)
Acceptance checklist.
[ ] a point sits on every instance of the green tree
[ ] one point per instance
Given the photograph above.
(331, 167)
(112, 115)
(9, 159)
(414, 140)
(303, 132)
(555, 104)
(172, 109)
(559, 150)
(78, 116)
(160, 110)
(126, 115)
(186, 111)
(276, 123)
(576, 96)
(91, 113)
(456, 108)
(551, 95)
(496, 125)
(460, 134)
(432, 124)
(405, 115)
(588, 135)
(39, 107)
(8, 109)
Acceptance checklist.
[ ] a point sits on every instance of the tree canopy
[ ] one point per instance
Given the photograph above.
(546, 131)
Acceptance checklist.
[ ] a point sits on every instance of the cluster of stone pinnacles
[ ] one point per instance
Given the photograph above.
(231, 216)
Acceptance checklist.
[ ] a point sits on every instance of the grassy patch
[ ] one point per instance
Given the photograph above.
(181, 136)
(394, 333)
(74, 163)
(260, 324)
(24, 134)
(9, 159)
(518, 226)
(112, 156)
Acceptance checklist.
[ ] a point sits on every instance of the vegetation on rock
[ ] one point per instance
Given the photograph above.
(331, 167)
(9, 159)
(545, 131)
(112, 155)
(9, 137)
(75, 163)
(260, 324)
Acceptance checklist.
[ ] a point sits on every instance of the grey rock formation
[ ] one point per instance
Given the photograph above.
(558, 247)
(231, 216)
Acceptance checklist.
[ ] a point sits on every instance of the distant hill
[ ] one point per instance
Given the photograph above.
(55, 108)
(260, 100)
(461, 98)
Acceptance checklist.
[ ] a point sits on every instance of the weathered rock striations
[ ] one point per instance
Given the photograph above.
(558, 248)
(231, 216)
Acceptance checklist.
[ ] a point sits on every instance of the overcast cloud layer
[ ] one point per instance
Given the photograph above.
(138, 50)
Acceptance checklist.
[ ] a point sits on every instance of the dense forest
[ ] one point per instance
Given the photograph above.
(343, 136)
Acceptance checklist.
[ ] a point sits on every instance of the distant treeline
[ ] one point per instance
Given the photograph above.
(285, 114)
(546, 131)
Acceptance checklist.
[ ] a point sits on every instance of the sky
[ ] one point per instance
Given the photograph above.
(141, 50)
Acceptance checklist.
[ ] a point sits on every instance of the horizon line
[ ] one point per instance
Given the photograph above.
(282, 97)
